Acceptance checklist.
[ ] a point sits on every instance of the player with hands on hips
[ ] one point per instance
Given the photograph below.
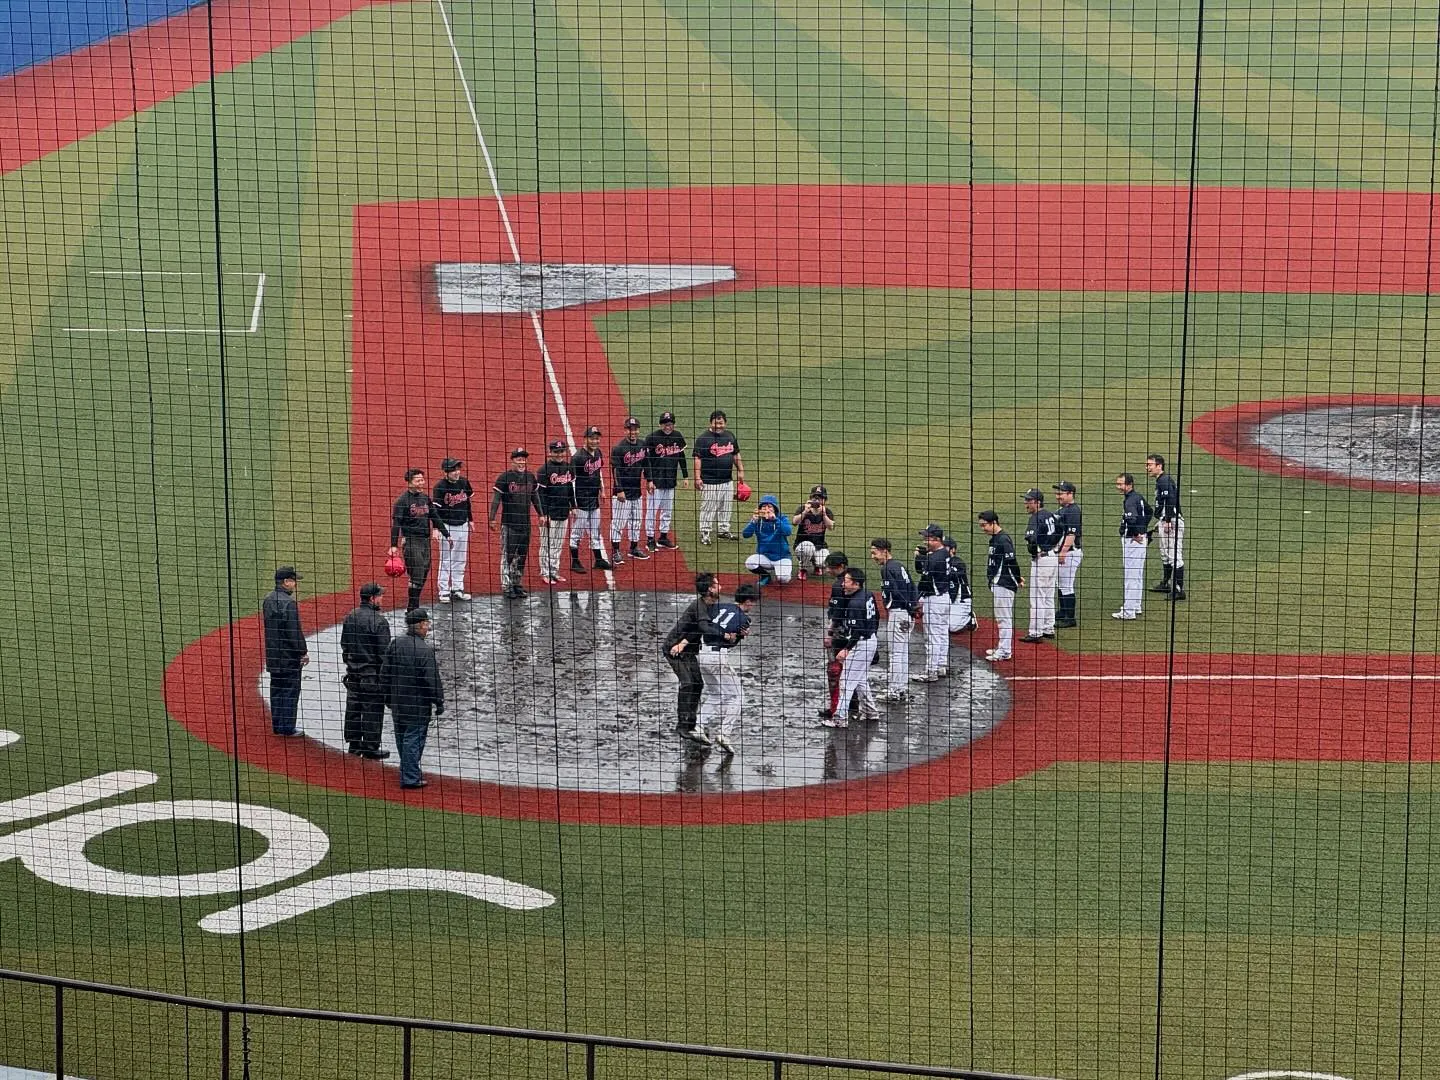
(589, 466)
(1042, 539)
(628, 461)
(724, 694)
(771, 530)
(1002, 570)
(962, 612)
(717, 466)
(932, 571)
(1170, 531)
(902, 604)
(555, 490)
(413, 519)
(812, 521)
(666, 449)
(454, 503)
(855, 636)
(1134, 543)
(1069, 554)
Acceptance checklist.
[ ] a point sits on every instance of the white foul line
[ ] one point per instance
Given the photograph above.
(1224, 678)
(254, 326)
(255, 311)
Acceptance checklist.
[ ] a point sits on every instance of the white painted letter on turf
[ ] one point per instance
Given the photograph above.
(55, 851)
(70, 796)
(313, 895)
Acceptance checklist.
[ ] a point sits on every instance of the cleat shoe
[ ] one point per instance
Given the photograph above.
(617, 559)
(997, 657)
(444, 598)
(726, 534)
(941, 673)
(638, 553)
(1127, 616)
(417, 784)
(928, 676)
(695, 735)
(705, 539)
(576, 566)
(801, 576)
(520, 592)
(461, 594)
(889, 696)
(601, 563)
(724, 744)
(664, 541)
(372, 755)
(1161, 586)
(1032, 639)
(650, 542)
(835, 722)
(870, 717)
(1177, 594)
(1048, 633)
(1066, 624)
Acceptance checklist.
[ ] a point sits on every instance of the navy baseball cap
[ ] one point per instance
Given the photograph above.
(1034, 493)
(1065, 485)
(591, 431)
(631, 422)
(819, 492)
(933, 530)
(370, 590)
(988, 516)
(667, 418)
(557, 445)
(948, 541)
(285, 573)
(450, 464)
(519, 451)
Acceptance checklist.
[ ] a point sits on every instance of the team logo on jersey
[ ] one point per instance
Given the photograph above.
(669, 449)
(722, 449)
(456, 498)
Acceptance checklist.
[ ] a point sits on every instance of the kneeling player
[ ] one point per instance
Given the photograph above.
(724, 695)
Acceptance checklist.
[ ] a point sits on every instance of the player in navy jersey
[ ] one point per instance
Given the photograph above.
(1134, 544)
(666, 449)
(962, 616)
(628, 460)
(855, 636)
(1070, 553)
(717, 466)
(1002, 571)
(724, 694)
(1170, 531)
(589, 465)
(902, 604)
(1042, 539)
(932, 573)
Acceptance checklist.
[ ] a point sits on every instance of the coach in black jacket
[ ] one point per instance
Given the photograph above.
(410, 676)
(363, 641)
(285, 651)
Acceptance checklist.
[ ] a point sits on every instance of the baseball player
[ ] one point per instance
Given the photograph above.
(771, 530)
(1069, 553)
(412, 520)
(856, 640)
(962, 613)
(453, 497)
(666, 449)
(932, 571)
(589, 466)
(682, 651)
(836, 563)
(1002, 570)
(812, 520)
(724, 694)
(628, 459)
(514, 497)
(717, 466)
(902, 603)
(1134, 543)
(1042, 538)
(555, 491)
(1170, 531)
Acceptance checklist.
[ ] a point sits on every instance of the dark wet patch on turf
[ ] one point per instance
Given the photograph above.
(1398, 444)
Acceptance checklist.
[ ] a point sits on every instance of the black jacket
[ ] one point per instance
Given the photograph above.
(410, 677)
(363, 640)
(284, 640)
(693, 625)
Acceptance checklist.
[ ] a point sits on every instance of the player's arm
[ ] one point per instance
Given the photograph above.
(396, 517)
(698, 484)
(739, 465)
(495, 496)
(435, 522)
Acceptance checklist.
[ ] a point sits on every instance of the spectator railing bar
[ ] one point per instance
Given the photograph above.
(409, 1025)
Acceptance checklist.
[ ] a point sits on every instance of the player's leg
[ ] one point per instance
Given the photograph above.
(937, 636)
(726, 508)
(1033, 634)
(900, 626)
(445, 571)
(805, 558)
(1166, 535)
(637, 520)
(1133, 561)
(761, 566)
(783, 569)
(707, 512)
(417, 567)
(869, 708)
(664, 501)
(1065, 575)
(459, 557)
(1047, 573)
(1005, 620)
(711, 661)
(854, 673)
(732, 704)
(1177, 588)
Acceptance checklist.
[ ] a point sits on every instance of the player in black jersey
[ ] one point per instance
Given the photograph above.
(1070, 552)
(453, 497)
(589, 466)
(836, 563)
(859, 621)
(628, 460)
(717, 466)
(555, 490)
(666, 450)
(514, 497)
(962, 604)
(724, 694)
(932, 574)
(412, 519)
(902, 605)
(1170, 531)
(1042, 539)
(1134, 544)
(1002, 570)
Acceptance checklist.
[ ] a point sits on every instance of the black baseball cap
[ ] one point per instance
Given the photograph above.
(1034, 493)
(819, 492)
(989, 516)
(1065, 485)
(370, 590)
(591, 431)
(933, 530)
(419, 615)
(285, 573)
(631, 422)
(450, 464)
(556, 445)
(519, 451)
(667, 418)
(948, 541)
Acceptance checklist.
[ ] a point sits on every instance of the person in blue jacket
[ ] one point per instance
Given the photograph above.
(771, 530)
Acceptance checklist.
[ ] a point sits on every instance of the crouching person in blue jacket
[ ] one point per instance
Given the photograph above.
(771, 530)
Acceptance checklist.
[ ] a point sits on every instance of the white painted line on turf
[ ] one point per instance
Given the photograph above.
(1225, 678)
(253, 327)
(1288, 1074)
(78, 794)
(9, 738)
(259, 299)
(490, 170)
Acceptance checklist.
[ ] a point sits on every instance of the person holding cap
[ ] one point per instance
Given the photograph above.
(1069, 553)
(453, 498)
(413, 519)
(364, 637)
(410, 678)
(812, 520)
(555, 491)
(1002, 570)
(932, 578)
(628, 460)
(666, 449)
(717, 466)
(514, 497)
(589, 466)
(285, 651)
(1042, 538)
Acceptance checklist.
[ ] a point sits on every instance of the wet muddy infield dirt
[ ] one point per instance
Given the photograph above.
(569, 690)
(1389, 443)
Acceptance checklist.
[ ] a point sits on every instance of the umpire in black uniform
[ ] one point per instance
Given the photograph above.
(285, 651)
(682, 650)
(364, 638)
(411, 678)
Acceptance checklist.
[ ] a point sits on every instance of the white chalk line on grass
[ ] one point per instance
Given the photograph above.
(1224, 678)
(252, 328)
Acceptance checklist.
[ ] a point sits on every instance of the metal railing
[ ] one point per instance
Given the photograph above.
(407, 1026)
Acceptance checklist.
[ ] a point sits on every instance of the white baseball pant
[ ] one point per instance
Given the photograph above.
(1172, 542)
(1044, 572)
(1004, 618)
(552, 543)
(716, 505)
(1065, 576)
(587, 524)
(779, 569)
(961, 612)
(625, 516)
(937, 631)
(810, 557)
(901, 624)
(452, 560)
(1132, 555)
(724, 693)
(855, 678)
(662, 504)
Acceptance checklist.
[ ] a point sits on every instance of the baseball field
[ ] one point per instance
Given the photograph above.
(967, 250)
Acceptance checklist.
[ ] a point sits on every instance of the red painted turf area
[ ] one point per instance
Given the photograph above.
(1066, 708)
